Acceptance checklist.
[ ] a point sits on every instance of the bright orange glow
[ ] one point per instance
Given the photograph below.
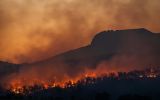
(19, 86)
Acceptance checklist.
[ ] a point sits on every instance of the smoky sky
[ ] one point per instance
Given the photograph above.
(32, 30)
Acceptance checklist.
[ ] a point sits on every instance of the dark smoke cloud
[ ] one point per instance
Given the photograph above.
(32, 30)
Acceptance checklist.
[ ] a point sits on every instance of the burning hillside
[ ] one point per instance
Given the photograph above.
(109, 52)
(89, 79)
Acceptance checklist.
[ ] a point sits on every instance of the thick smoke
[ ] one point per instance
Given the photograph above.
(32, 30)
(112, 51)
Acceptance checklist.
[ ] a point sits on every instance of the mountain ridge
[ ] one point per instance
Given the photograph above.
(106, 44)
(136, 47)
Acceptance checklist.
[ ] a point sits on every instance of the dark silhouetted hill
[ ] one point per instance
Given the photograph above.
(132, 47)
(138, 43)
(7, 68)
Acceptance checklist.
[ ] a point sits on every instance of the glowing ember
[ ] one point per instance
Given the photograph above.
(20, 87)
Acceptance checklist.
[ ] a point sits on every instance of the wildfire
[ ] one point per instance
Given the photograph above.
(17, 89)
(20, 87)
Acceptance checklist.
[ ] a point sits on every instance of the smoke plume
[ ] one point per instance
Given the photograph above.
(32, 30)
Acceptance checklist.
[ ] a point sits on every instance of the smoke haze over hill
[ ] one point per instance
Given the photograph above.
(32, 30)
(109, 51)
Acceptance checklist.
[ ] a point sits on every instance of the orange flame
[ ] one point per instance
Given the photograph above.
(17, 85)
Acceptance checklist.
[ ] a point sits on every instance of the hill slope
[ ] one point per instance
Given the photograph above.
(137, 43)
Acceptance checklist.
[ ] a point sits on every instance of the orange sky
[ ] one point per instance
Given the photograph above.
(32, 30)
